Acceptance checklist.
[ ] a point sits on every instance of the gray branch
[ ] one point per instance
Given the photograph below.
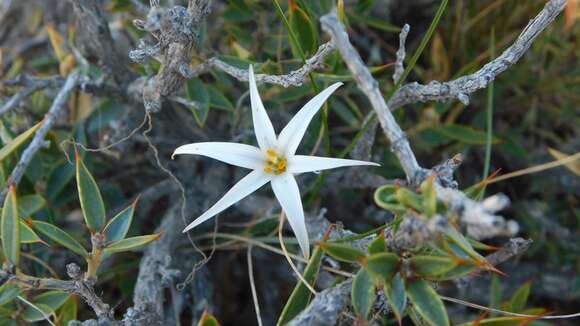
(369, 86)
(77, 285)
(177, 31)
(155, 275)
(326, 306)
(49, 120)
(401, 53)
(96, 37)
(18, 97)
(294, 78)
(462, 87)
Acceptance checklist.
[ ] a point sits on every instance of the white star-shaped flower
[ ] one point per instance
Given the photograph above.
(274, 161)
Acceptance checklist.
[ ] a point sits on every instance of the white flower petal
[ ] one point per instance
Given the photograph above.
(247, 185)
(262, 125)
(288, 194)
(303, 163)
(246, 156)
(292, 134)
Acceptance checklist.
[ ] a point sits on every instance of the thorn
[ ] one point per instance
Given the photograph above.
(328, 231)
(134, 204)
(77, 155)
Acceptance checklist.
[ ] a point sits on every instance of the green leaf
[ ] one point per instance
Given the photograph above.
(198, 93)
(53, 299)
(429, 197)
(300, 296)
(381, 266)
(499, 321)
(10, 228)
(464, 134)
(409, 198)
(342, 252)
(363, 293)
(495, 292)
(8, 292)
(131, 243)
(15, 143)
(427, 303)
(32, 314)
(378, 245)
(90, 197)
(396, 296)
(305, 31)
(68, 311)
(519, 299)
(430, 266)
(30, 204)
(27, 234)
(61, 237)
(118, 226)
(59, 178)
(464, 244)
(218, 100)
(207, 320)
(385, 197)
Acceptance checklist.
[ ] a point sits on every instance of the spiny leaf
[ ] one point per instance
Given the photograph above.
(465, 134)
(8, 292)
(10, 228)
(197, 93)
(15, 143)
(118, 226)
(429, 196)
(427, 303)
(53, 299)
(30, 204)
(363, 293)
(409, 198)
(430, 266)
(385, 197)
(37, 313)
(27, 234)
(90, 197)
(68, 311)
(61, 237)
(304, 29)
(300, 297)
(381, 266)
(131, 243)
(500, 321)
(342, 252)
(396, 296)
(378, 245)
(207, 320)
(519, 299)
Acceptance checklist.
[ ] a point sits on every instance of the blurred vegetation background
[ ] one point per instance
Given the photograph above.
(534, 107)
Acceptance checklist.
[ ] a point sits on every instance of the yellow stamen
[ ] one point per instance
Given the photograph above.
(275, 163)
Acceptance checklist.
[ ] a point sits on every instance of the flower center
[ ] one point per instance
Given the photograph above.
(275, 163)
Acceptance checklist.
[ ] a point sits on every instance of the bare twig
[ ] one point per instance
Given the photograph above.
(177, 32)
(77, 285)
(94, 29)
(369, 86)
(401, 53)
(49, 120)
(283, 246)
(294, 78)
(253, 285)
(462, 87)
(326, 306)
(18, 97)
